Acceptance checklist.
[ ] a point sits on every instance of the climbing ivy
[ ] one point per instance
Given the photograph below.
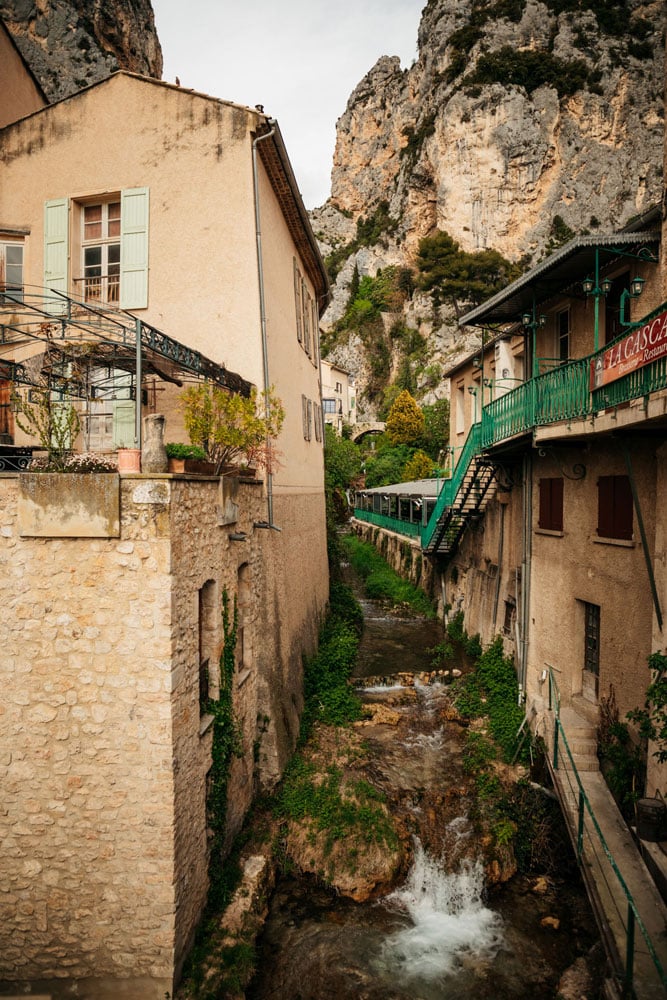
(226, 744)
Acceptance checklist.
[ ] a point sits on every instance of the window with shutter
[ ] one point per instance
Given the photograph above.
(614, 507)
(297, 302)
(56, 252)
(551, 504)
(11, 271)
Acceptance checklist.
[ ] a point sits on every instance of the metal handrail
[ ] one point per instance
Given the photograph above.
(391, 523)
(634, 918)
(564, 393)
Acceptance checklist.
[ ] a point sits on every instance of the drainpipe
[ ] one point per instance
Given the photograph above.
(138, 378)
(262, 311)
(527, 530)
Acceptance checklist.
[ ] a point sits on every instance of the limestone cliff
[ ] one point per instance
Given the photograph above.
(515, 113)
(70, 44)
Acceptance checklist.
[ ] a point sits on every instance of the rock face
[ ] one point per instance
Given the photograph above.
(70, 44)
(516, 112)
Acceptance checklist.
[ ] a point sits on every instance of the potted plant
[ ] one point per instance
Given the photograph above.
(188, 458)
(232, 429)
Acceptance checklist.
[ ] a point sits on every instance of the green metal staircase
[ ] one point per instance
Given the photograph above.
(469, 493)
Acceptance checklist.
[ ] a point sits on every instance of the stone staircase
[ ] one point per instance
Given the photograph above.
(581, 735)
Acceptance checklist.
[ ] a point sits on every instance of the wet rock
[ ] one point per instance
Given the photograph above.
(576, 983)
(380, 715)
(353, 871)
(540, 885)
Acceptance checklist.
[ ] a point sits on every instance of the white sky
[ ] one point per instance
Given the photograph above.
(301, 59)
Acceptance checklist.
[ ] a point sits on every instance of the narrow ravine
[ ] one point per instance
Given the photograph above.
(440, 932)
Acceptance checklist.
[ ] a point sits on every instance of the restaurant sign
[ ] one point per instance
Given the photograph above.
(645, 344)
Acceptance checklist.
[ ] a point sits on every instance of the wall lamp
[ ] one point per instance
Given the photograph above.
(635, 290)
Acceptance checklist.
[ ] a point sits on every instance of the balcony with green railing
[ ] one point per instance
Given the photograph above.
(562, 394)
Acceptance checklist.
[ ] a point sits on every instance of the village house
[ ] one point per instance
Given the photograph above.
(152, 238)
(339, 397)
(560, 547)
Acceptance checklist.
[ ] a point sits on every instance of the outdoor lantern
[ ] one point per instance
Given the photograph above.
(542, 320)
(588, 285)
(606, 285)
(472, 390)
(526, 319)
(636, 287)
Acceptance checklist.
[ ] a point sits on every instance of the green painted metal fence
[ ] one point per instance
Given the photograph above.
(391, 523)
(563, 393)
(592, 849)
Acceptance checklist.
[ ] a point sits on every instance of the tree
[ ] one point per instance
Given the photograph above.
(436, 427)
(342, 460)
(230, 427)
(456, 275)
(386, 465)
(405, 423)
(420, 466)
(54, 422)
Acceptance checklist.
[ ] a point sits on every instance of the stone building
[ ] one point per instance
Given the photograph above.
(152, 223)
(339, 396)
(560, 546)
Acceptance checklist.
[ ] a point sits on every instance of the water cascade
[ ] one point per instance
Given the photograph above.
(450, 925)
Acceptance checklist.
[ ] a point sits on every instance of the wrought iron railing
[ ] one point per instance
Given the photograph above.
(592, 849)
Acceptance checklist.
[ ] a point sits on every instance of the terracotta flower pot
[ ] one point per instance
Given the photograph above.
(129, 460)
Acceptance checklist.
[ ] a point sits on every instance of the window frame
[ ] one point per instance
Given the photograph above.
(108, 243)
(563, 335)
(550, 512)
(615, 508)
(15, 288)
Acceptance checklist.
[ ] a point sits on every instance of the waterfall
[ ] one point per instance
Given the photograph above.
(449, 922)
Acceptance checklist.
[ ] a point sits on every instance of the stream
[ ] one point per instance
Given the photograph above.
(440, 934)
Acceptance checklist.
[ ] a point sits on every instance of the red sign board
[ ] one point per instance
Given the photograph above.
(645, 344)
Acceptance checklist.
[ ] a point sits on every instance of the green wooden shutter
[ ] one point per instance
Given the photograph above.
(56, 251)
(123, 424)
(134, 248)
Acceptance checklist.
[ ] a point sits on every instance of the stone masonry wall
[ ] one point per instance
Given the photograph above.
(403, 555)
(103, 753)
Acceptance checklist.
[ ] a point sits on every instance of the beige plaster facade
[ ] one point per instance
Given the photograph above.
(567, 596)
(104, 750)
(339, 397)
(21, 94)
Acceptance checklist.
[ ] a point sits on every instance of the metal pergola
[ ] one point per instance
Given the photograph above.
(78, 336)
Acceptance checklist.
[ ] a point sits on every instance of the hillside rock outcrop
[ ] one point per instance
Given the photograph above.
(70, 44)
(515, 114)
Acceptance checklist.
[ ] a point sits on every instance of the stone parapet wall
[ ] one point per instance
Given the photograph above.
(103, 872)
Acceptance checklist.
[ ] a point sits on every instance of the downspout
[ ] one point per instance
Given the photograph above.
(501, 544)
(527, 531)
(596, 306)
(262, 314)
(138, 378)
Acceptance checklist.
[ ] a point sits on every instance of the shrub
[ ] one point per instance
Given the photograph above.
(228, 426)
(175, 449)
(381, 582)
